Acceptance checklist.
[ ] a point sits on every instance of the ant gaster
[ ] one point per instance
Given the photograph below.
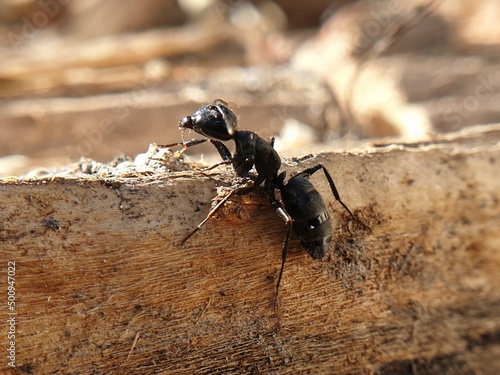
(303, 208)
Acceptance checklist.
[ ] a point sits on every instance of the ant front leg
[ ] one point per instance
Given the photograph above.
(227, 158)
(224, 153)
(243, 163)
(310, 171)
(185, 144)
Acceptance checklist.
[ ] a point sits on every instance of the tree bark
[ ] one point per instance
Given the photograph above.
(103, 286)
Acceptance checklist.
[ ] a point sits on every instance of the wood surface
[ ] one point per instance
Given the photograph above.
(102, 285)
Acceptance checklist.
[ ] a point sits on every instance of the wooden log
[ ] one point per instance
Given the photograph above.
(102, 285)
(24, 63)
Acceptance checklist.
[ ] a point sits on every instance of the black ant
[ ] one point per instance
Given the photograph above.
(303, 208)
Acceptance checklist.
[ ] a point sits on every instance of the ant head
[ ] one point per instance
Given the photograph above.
(215, 121)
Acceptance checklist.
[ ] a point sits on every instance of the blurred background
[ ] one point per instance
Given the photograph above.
(99, 79)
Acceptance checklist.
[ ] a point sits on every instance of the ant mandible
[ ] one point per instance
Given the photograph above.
(302, 207)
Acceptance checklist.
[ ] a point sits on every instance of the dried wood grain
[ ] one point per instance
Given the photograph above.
(109, 290)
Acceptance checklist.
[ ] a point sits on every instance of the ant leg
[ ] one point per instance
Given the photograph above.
(223, 151)
(221, 148)
(310, 171)
(281, 212)
(186, 144)
(216, 165)
(271, 141)
(241, 164)
(213, 211)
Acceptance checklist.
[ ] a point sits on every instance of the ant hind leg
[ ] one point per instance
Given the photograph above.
(310, 171)
(281, 212)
